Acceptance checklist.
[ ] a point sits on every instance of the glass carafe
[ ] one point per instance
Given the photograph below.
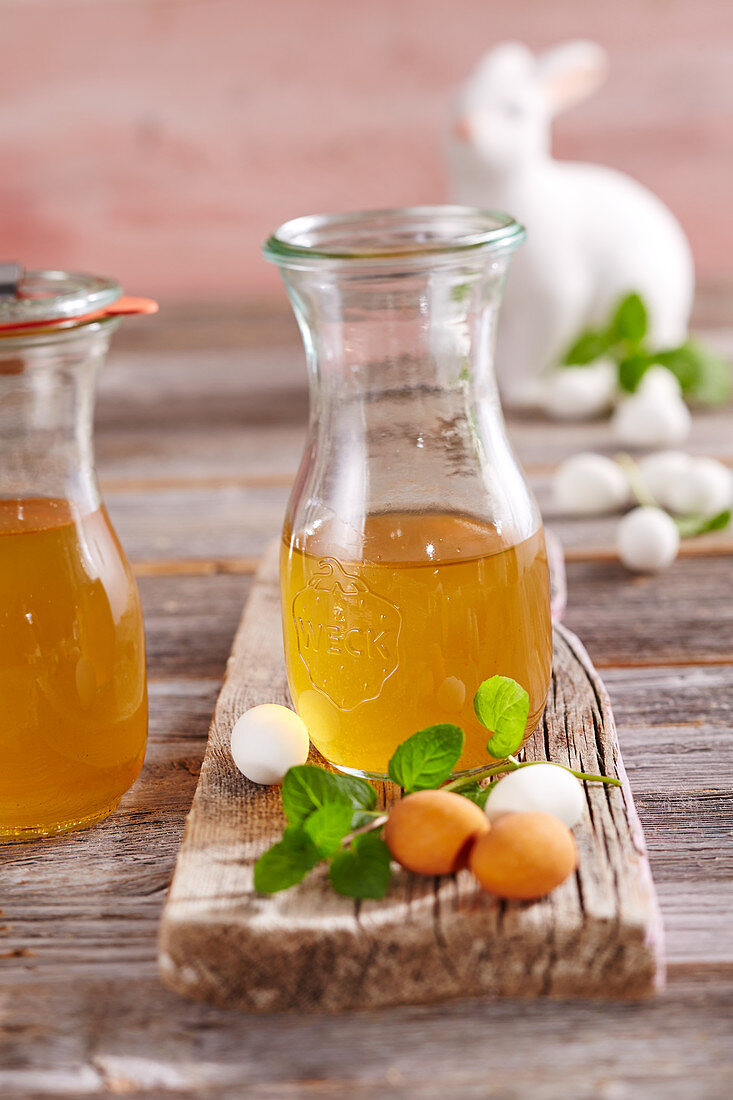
(73, 696)
(413, 559)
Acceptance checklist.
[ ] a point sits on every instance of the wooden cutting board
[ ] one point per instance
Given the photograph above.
(307, 949)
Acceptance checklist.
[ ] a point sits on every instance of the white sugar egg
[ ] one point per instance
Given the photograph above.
(545, 787)
(704, 488)
(267, 740)
(647, 540)
(589, 484)
(659, 382)
(661, 471)
(579, 393)
(651, 421)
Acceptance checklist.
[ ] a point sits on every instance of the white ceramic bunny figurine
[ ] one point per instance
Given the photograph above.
(593, 234)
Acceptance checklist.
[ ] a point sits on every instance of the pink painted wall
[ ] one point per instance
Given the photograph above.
(160, 140)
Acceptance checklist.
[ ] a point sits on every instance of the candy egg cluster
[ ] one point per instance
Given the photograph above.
(520, 847)
(647, 538)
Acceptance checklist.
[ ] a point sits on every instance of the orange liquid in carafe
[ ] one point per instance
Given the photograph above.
(400, 639)
(73, 698)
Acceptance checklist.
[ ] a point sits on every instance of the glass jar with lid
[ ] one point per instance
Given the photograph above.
(73, 694)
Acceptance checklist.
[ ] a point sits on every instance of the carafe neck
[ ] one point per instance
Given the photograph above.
(404, 411)
(413, 331)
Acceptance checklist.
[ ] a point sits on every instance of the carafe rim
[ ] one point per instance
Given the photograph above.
(395, 236)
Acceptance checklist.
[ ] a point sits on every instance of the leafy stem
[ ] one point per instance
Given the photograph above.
(688, 526)
(513, 765)
(691, 526)
(378, 820)
(703, 375)
(639, 487)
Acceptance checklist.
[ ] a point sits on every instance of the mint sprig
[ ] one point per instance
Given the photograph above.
(702, 374)
(333, 817)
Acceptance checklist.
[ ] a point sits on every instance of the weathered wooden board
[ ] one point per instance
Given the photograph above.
(599, 935)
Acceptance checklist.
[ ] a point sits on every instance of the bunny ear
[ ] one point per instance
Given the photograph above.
(568, 74)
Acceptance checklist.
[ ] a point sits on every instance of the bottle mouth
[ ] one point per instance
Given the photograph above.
(401, 235)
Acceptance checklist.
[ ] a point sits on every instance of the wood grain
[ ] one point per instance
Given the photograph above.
(599, 935)
(131, 1036)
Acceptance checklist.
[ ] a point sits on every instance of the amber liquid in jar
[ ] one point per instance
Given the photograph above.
(73, 695)
(400, 639)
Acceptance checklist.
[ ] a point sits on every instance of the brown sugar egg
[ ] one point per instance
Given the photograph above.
(432, 832)
(524, 856)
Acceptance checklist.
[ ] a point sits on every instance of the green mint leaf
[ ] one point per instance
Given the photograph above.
(629, 321)
(476, 793)
(631, 370)
(719, 522)
(362, 870)
(712, 384)
(702, 374)
(426, 759)
(691, 526)
(589, 346)
(328, 826)
(684, 363)
(362, 817)
(286, 863)
(502, 705)
(307, 787)
(361, 794)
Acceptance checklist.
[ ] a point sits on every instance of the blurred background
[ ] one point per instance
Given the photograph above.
(161, 140)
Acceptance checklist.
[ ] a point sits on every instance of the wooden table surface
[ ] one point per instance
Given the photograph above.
(199, 430)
